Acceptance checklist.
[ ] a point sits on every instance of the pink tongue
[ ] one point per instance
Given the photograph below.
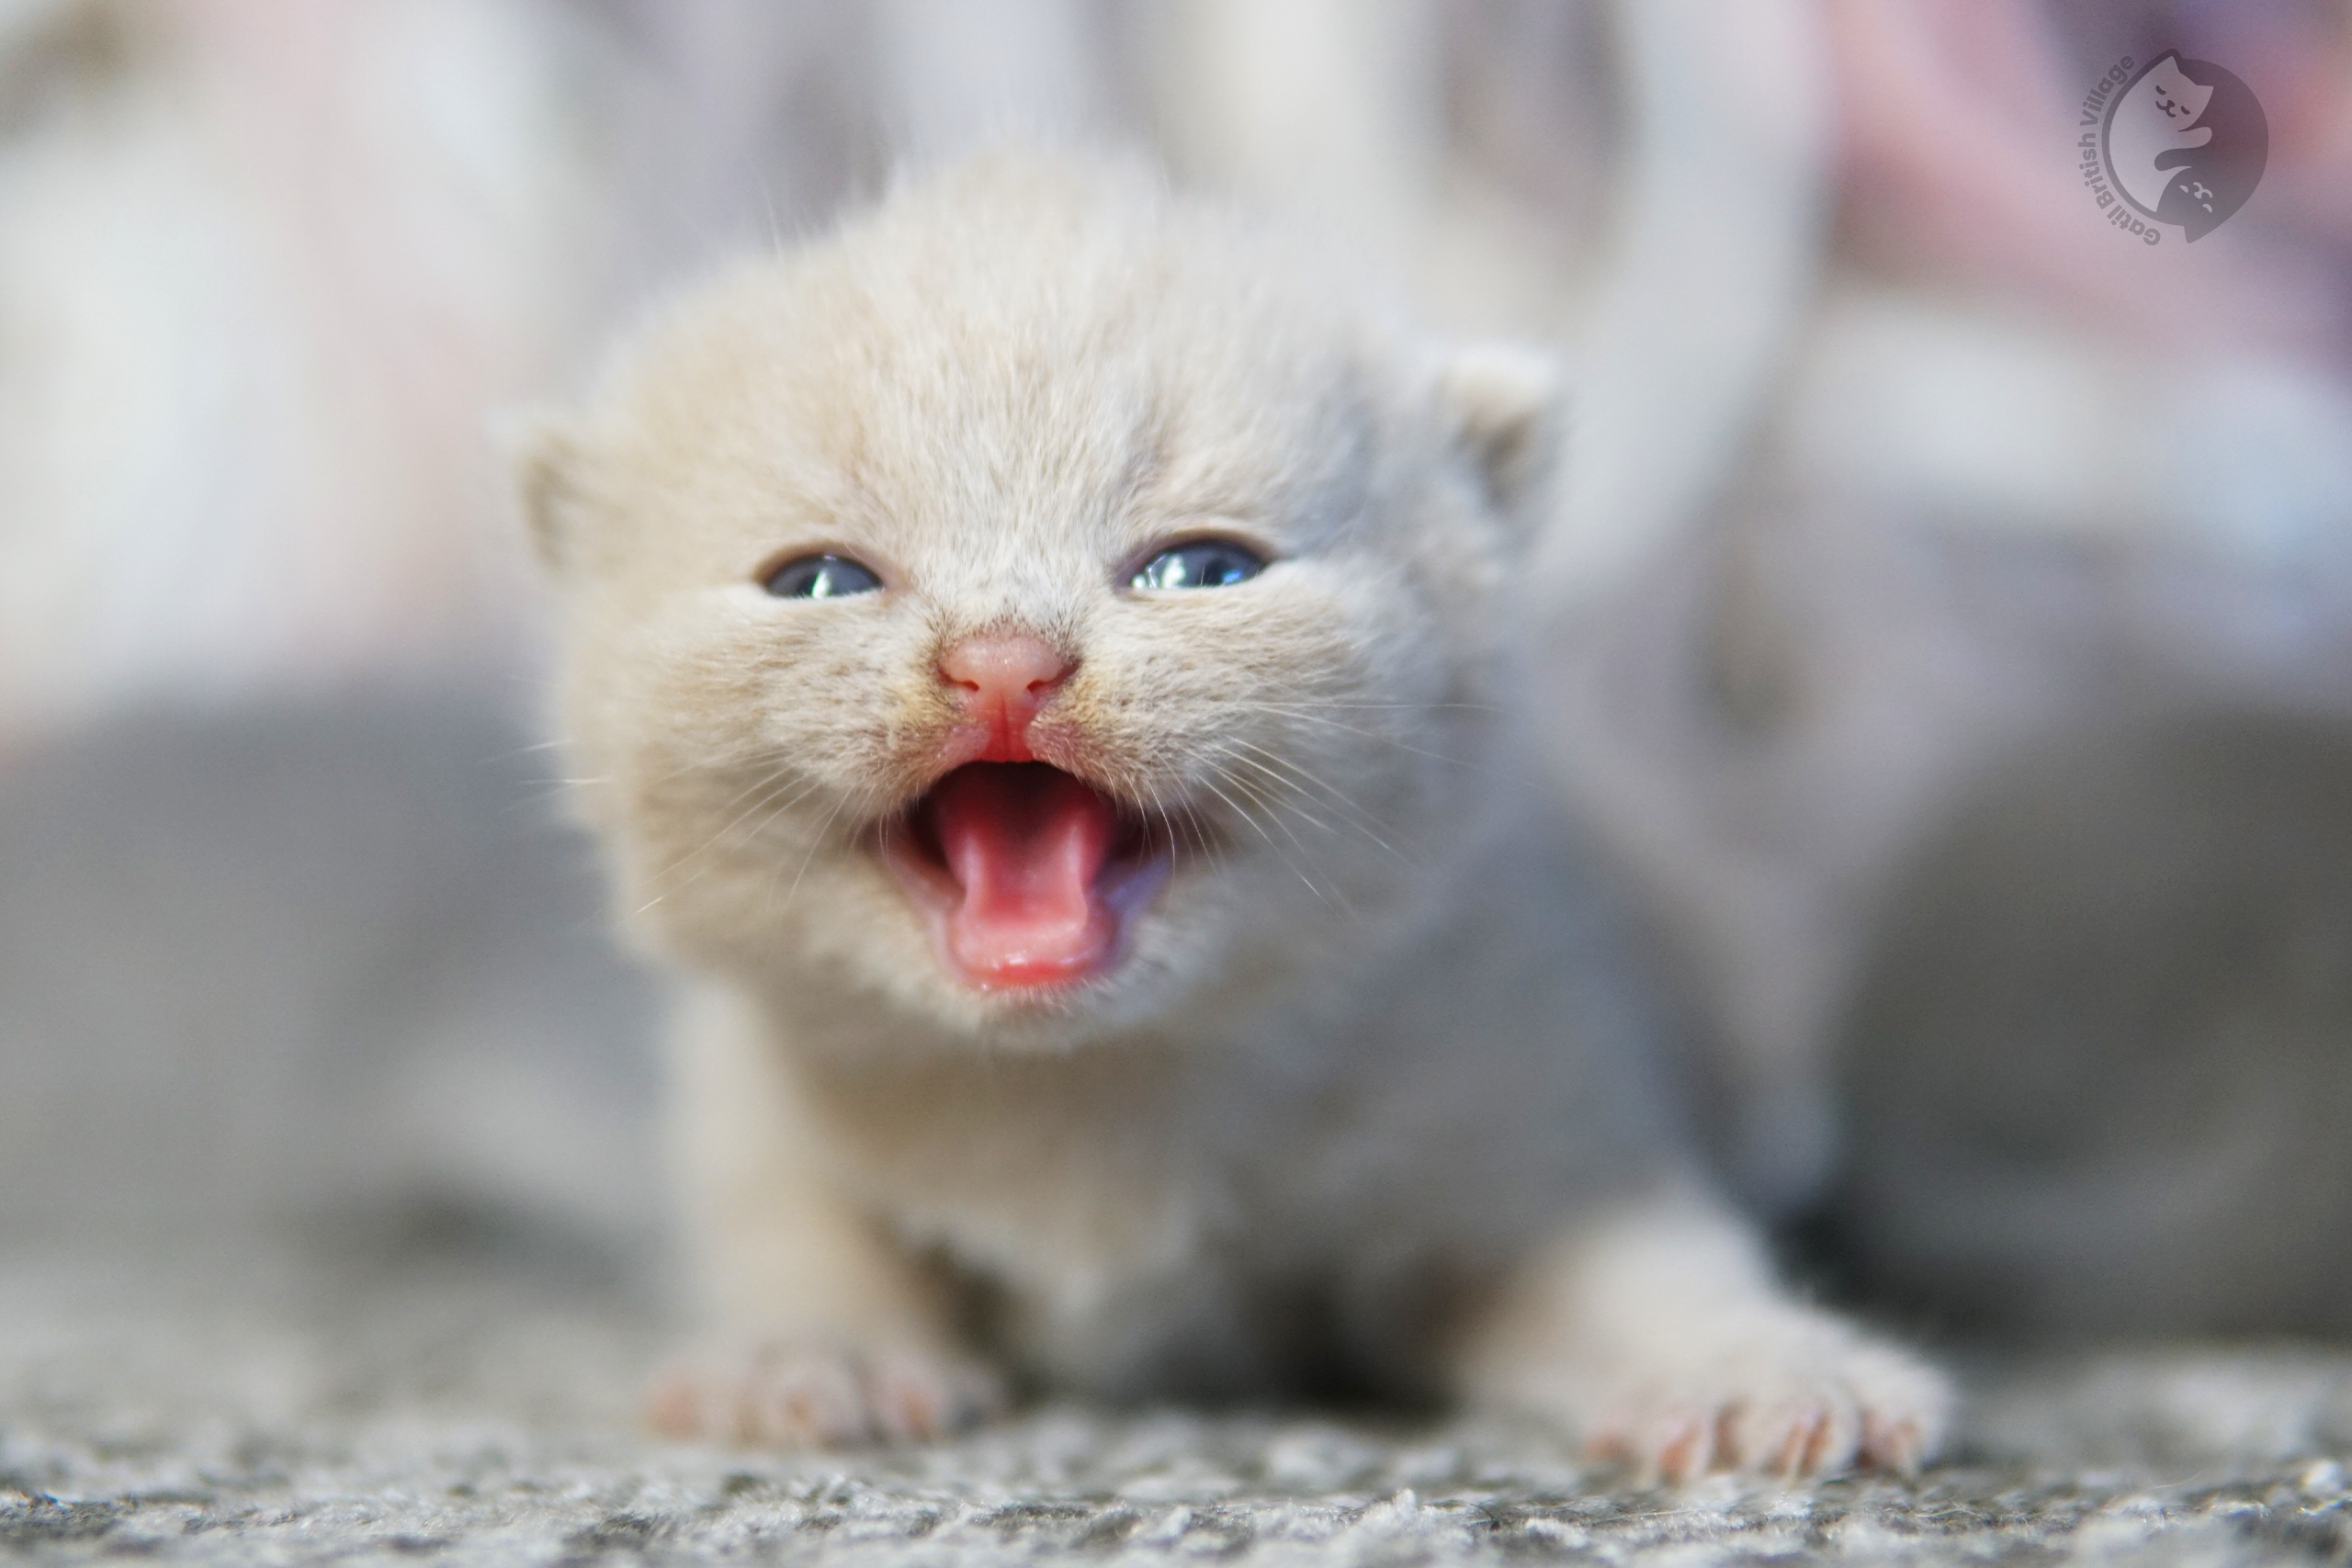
(1027, 844)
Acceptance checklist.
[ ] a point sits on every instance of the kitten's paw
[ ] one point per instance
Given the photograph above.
(795, 1395)
(1809, 1403)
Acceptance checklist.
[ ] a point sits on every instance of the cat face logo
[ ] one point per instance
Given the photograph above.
(2184, 142)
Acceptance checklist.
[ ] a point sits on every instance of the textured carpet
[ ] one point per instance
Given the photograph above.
(259, 1408)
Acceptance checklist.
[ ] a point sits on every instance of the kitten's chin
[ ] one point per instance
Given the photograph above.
(1027, 877)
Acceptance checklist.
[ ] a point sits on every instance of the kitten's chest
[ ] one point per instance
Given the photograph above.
(1073, 1176)
(1106, 1213)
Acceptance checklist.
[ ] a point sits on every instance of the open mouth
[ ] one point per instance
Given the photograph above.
(1028, 875)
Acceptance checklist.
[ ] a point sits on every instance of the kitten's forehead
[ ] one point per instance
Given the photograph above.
(962, 428)
(984, 389)
(1036, 394)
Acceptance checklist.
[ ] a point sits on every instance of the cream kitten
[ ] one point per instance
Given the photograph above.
(1048, 658)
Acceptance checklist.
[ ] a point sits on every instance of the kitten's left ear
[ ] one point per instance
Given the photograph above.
(1507, 406)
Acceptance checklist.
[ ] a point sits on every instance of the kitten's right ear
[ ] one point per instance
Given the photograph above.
(546, 465)
(1507, 406)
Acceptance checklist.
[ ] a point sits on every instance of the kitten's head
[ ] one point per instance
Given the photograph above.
(1046, 603)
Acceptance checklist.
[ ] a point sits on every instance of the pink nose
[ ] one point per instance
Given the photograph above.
(1002, 679)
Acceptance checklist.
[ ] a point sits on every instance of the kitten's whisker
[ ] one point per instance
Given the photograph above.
(1276, 808)
(1250, 818)
(1297, 781)
(782, 768)
(1243, 812)
(765, 789)
(1341, 828)
(1408, 707)
(772, 785)
(816, 843)
(545, 790)
(532, 751)
(1305, 718)
(1288, 800)
(1365, 821)
(1166, 823)
(1191, 828)
(1273, 808)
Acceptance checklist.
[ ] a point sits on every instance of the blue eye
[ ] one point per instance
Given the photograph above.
(821, 577)
(1203, 563)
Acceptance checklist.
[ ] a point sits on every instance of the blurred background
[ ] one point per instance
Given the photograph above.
(1953, 642)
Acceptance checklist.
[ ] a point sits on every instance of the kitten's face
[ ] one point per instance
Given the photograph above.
(1027, 607)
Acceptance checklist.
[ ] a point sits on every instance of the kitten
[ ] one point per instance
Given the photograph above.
(1050, 660)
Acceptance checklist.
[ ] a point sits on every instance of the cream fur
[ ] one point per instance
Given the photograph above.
(1370, 1095)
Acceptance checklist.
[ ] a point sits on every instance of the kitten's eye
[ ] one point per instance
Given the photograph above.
(821, 577)
(1203, 563)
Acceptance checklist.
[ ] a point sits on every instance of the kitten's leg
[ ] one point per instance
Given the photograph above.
(1658, 1330)
(823, 1332)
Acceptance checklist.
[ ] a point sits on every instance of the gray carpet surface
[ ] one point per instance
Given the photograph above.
(271, 1407)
